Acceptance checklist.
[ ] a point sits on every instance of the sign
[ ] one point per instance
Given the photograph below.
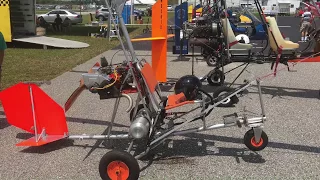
(181, 15)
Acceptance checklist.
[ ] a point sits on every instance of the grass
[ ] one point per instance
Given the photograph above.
(35, 64)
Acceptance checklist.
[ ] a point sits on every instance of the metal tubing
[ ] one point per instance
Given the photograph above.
(118, 34)
(260, 97)
(194, 130)
(33, 114)
(130, 147)
(120, 136)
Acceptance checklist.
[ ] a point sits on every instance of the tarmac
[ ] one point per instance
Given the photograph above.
(291, 101)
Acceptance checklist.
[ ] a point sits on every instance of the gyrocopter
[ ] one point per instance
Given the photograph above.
(152, 119)
(220, 51)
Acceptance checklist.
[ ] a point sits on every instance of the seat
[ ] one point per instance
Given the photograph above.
(232, 41)
(276, 39)
(278, 44)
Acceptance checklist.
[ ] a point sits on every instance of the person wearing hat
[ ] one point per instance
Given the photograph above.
(305, 23)
(3, 46)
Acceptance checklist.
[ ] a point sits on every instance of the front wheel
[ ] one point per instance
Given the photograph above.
(249, 141)
(211, 60)
(118, 165)
(216, 78)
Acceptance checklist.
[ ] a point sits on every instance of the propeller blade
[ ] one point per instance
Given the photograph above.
(78, 91)
(73, 97)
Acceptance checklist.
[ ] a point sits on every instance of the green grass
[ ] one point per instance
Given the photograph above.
(35, 64)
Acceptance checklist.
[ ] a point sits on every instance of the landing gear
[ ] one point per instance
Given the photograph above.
(252, 144)
(119, 165)
(211, 60)
(216, 77)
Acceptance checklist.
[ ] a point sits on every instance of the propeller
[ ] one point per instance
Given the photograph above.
(78, 91)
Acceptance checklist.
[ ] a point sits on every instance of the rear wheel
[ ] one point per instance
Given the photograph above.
(118, 165)
(229, 101)
(101, 18)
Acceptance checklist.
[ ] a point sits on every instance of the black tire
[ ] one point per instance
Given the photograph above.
(101, 18)
(140, 106)
(230, 101)
(125, 159)
(211, 60)
(216, 78)
(249, 141)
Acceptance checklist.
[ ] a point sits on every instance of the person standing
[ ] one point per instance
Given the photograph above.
(305, 23)
(3, 47)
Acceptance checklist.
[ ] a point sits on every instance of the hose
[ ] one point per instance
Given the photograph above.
(130, 101)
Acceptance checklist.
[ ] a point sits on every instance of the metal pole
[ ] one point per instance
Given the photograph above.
(260, 97)
(181, 40)
(131, 19)
(126, 35)
(33, 114)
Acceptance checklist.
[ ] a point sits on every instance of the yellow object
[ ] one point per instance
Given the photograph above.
(190, 8)
(5, 24)
(190, 13)
(245, 19)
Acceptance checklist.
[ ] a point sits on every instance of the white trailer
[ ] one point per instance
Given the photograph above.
(281, 7)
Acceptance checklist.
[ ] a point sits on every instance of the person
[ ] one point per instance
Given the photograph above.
(3, 47)
(57, 25)
(140, 21)
(67, 24)
(43, 23)
(305, 23)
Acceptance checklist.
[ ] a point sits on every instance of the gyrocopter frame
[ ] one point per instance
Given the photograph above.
(152, 120)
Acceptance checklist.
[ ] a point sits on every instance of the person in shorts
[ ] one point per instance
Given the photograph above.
(3, 46)
(305, 23)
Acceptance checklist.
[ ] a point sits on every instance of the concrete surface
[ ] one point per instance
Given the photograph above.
(291, 102)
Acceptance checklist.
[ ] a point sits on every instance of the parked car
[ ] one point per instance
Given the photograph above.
(170, 8)
(51, 16)
(102, 14)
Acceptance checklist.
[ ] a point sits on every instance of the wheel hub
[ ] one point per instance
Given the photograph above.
(253, 142)
(118, 170)
(227, 100)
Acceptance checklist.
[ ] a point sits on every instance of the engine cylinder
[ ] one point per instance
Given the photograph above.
(140, 127)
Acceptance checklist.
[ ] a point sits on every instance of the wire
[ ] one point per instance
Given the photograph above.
(109, 85)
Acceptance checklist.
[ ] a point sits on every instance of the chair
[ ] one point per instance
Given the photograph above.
(233, 43)
(279, 45)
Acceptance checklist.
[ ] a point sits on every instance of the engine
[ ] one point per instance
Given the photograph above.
(106, 80)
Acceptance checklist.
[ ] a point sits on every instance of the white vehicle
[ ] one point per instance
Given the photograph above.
(281, 7)
(51, 16)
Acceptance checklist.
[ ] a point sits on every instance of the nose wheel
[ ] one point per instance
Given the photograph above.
(118, 165)
(253, 144)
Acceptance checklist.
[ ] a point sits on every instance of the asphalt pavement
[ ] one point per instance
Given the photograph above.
(291, 101)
